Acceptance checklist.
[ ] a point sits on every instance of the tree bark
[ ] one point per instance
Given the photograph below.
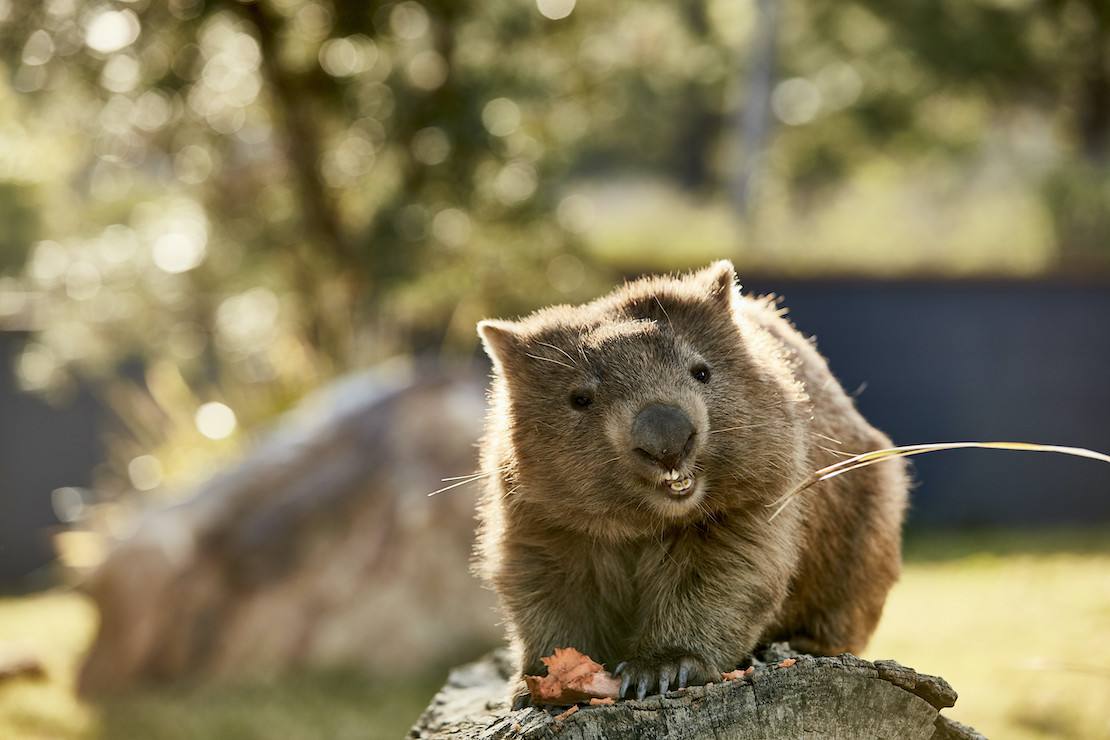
(841, 697)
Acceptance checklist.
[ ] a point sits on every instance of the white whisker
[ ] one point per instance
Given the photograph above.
(548, 359)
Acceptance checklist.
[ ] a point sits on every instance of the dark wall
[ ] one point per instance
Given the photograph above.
(41, 448)
(940, 362)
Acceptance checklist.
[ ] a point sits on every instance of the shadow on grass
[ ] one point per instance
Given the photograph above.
(938, 546)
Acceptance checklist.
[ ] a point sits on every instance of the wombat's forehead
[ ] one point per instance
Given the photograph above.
(590, 336)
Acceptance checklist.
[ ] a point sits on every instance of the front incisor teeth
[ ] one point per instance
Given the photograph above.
(681, 485)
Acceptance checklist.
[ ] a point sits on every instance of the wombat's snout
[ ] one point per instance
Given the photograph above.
(663, 434)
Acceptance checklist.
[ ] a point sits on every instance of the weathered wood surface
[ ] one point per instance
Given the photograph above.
(320, 548)
(842, 697)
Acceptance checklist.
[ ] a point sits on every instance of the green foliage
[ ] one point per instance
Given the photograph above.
(19, 214)
(262, 195)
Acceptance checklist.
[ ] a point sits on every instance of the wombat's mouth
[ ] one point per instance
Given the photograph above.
(678, 483)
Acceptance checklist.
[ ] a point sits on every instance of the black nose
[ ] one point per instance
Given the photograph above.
(662, 433)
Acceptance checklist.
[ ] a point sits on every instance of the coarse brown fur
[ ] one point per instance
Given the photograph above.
(664, 560)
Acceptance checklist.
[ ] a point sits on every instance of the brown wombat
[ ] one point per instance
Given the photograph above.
(632, 448)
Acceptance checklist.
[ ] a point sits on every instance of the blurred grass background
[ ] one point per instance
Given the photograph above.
(1015, 620)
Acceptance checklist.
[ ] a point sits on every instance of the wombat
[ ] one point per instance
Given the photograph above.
(632, 448)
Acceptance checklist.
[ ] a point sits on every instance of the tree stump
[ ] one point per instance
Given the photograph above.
(841, 697)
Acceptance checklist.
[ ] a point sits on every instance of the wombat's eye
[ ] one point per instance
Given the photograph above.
(580, 401)
(700, 373)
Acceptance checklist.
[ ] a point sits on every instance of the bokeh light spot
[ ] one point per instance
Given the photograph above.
(796, 101)
(555, 9)
(215, 420)
(111, 30)
(409, 20)
(576, 213)
(515, 182)
(451, 227)
(178, 252)
(39, 48)
(427, 70)
(345, 57)
(566, 273)
(430, 146)
(501, 117)
(145, 472)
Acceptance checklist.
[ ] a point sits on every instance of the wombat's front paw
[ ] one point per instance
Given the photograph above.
(660, 672)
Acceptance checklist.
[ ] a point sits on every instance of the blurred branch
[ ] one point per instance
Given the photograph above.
(753, 121)
(302, 137)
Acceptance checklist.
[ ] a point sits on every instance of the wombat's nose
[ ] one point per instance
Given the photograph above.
(662, 433)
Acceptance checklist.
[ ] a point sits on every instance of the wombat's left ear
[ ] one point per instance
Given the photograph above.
(721, 279)
(500, 341)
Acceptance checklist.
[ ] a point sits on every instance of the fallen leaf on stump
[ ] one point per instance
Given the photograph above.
(571, 677)
(738, 673)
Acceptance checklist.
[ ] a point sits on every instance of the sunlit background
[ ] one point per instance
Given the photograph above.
(210, 210)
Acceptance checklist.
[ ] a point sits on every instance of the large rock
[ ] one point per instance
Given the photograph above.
(320, 548)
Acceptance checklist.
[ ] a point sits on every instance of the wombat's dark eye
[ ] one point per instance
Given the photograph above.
(580, 401)
(700, 373)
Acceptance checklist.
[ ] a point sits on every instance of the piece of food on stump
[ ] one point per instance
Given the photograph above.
(571, 677)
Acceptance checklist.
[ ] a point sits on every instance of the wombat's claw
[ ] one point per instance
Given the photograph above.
(642, 686)
(645, 676)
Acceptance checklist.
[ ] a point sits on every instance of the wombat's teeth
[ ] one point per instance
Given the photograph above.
(681, 485)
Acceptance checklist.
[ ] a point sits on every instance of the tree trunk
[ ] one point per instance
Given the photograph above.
(842, 697)
(753, 120)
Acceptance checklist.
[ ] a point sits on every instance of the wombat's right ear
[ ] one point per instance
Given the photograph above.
(500, 340)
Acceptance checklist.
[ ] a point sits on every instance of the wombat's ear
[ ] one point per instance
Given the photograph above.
(721, 279)
(500, 341)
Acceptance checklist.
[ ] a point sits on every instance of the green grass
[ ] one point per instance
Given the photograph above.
(333, 705)
(55, 628)
(321, 705)
(1018, 622)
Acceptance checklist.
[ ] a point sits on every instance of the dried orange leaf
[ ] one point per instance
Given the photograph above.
(571, 677)
(738, 673)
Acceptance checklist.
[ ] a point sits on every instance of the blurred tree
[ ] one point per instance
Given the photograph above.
(946, 77)
(238, 200)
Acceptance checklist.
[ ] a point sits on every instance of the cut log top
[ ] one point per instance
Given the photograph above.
(841, 697)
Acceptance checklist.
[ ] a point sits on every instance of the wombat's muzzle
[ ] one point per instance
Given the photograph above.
(663, 434)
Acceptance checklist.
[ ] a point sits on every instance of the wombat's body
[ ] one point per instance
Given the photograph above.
(632, 447)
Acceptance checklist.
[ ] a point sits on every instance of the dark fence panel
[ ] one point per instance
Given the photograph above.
(939, 362)
(41, 448)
